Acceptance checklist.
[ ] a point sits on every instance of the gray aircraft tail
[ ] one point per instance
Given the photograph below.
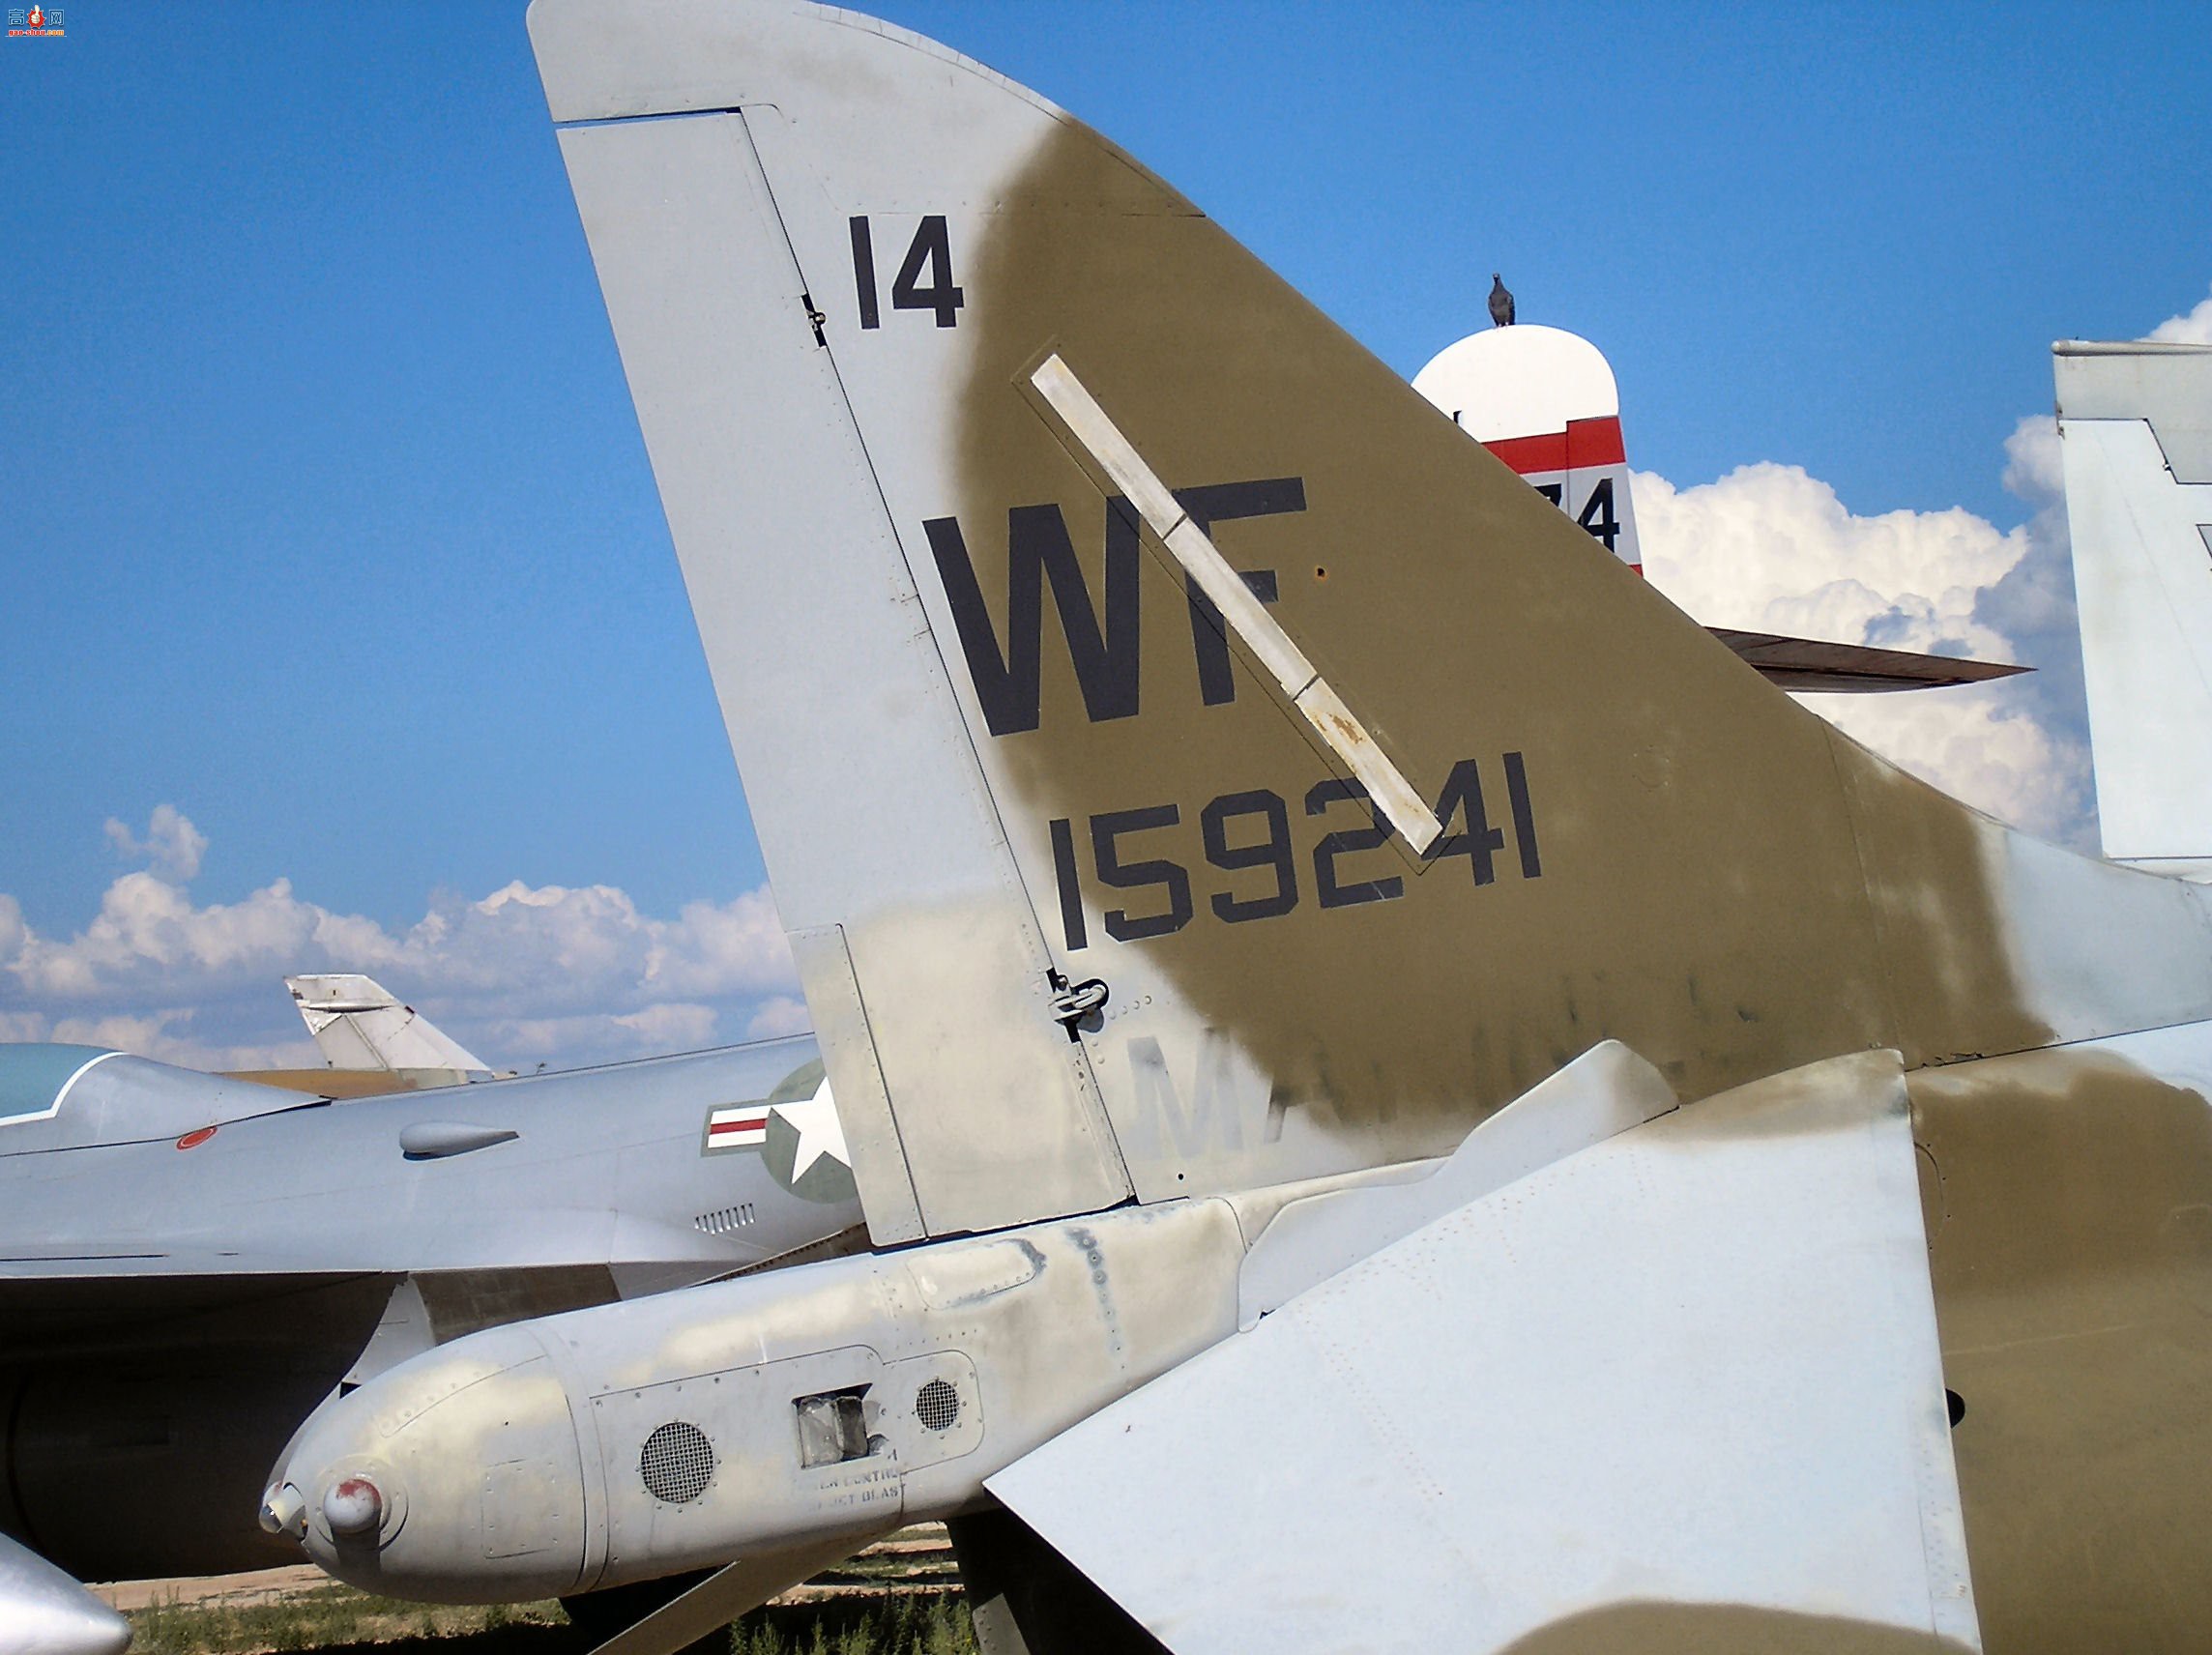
(361, 1025)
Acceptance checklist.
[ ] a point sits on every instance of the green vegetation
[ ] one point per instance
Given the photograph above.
(915, 1623)
(337, 1619)
(325, 1617)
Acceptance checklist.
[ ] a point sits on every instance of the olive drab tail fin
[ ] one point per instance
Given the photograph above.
(1183, 759)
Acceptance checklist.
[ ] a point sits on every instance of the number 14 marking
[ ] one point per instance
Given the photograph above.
(930, 250)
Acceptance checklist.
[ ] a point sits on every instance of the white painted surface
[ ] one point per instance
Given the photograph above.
(1608, 1090)
(359, 1024)
(1520, 381)
(2143, 577)
(761, 464)
(1529, 381)
(1695, 1364)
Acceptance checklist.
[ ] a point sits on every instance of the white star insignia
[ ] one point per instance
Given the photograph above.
(819, 1132)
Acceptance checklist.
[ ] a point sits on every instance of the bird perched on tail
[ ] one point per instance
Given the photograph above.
(1501, 303)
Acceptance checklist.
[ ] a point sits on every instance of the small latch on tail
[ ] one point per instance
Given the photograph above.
(1076, 1008)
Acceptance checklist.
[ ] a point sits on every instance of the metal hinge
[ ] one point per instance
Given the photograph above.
(1076, 1006)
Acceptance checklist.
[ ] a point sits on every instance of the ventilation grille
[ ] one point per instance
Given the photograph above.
(724, 1219)
(678, 1461)
(937, 1405)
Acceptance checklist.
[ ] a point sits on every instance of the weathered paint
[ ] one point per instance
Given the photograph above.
(1028, 1331)
(1254, 627)
(2064, 1195)
(1724, 884)
(2071, 1249)
(1694, 1359)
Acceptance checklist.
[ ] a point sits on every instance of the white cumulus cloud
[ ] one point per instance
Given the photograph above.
(2190, 327)
(172, 844)
(526, 976)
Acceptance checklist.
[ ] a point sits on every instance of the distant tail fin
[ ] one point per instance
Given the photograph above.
(2135, 428)
(1544, 401)
(358, 1024)
(1089, 746)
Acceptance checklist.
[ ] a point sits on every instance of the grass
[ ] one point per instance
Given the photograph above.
(916, 1624)
(337, 1618)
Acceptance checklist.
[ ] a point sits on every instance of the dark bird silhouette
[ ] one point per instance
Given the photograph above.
(1501, 303)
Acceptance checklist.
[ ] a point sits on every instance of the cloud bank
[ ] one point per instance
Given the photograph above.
(527, 975)
(2190, 327)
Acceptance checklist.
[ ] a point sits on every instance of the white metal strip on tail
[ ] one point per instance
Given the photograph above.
(1260, 633)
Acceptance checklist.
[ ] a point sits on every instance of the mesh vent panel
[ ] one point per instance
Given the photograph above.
(937, 1405)
(678, 1461)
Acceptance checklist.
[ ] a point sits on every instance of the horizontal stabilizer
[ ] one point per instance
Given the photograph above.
(1854, 669)
(1678, 1390)
(1606, 1090)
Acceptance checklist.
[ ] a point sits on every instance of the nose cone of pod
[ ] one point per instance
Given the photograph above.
(353, 1507)
(453, 1477)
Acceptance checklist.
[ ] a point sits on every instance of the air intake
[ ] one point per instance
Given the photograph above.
(678, 1462)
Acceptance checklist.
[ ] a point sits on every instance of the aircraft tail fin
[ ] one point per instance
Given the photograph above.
(2135, 429)
(361, 1025)
(1183, 759)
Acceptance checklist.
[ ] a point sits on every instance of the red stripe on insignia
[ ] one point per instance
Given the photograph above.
(744, 1123)
(1584, 442)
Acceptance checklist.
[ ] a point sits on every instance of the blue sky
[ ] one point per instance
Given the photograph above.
(326, 522)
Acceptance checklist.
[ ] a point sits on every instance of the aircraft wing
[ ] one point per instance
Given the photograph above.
(1817, 664)
(1678, 1390)
(116, 1171)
